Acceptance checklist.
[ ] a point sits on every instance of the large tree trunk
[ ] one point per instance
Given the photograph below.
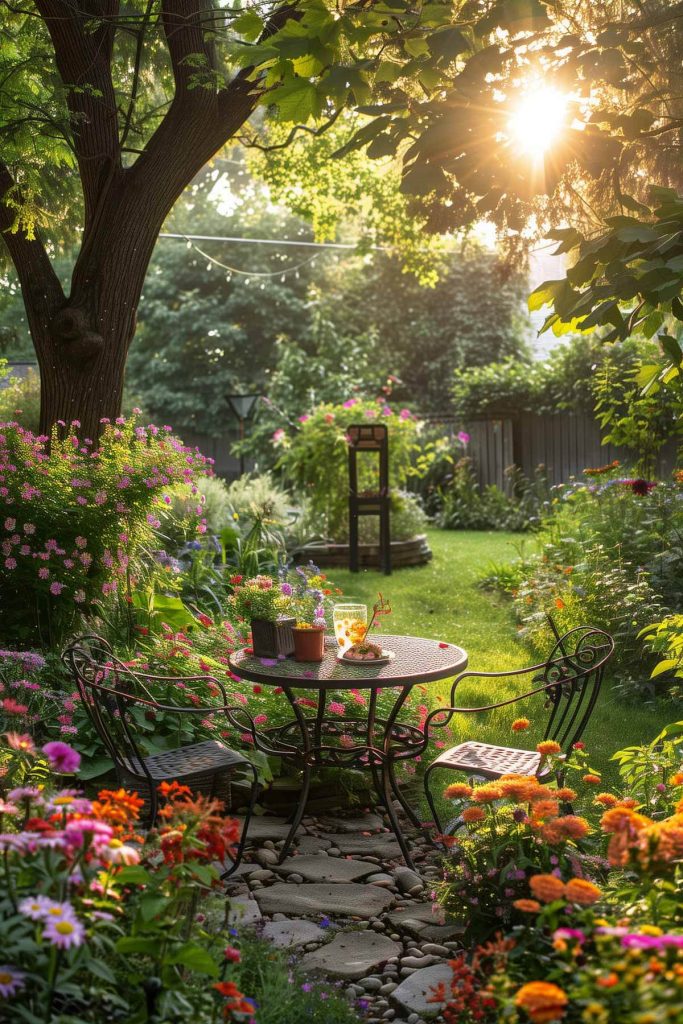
(82, 339)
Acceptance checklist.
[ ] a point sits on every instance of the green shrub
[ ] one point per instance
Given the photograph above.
(20, 401)
(314, 458)
(79, 522)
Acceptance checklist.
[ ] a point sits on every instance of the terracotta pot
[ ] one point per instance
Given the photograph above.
(309, 644)
(270, 639)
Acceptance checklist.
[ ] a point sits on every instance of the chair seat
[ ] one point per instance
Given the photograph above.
(196, 759)
(489, 760)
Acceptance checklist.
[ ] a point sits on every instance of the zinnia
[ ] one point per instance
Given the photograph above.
(542, 1000)
(547, 888)
(548, 747)
(578, 890)
(458, 791)
(520, 724)
(62, 757)
(472, 814)
(527, 906)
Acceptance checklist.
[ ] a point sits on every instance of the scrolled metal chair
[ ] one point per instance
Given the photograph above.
(570, 681)
(112, 691)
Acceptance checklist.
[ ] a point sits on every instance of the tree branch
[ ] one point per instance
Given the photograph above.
(83, 58)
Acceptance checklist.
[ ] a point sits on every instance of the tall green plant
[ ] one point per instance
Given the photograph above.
(314, 457)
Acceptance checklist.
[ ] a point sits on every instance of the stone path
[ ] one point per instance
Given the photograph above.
(350, 910)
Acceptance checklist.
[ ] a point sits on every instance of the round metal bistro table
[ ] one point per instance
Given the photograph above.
(321, 739)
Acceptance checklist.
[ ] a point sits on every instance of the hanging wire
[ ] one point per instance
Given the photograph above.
(251, 273)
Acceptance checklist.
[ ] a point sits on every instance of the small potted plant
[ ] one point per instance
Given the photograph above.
(308, 604)
(265, 603)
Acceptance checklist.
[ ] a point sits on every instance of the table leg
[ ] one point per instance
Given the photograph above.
(298, 813)
(391, 721)
(389, 784)
(386, 793)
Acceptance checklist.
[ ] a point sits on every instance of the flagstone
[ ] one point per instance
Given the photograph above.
(346, 898)
(325, 869)
(351, 955)
(415, 992)
(292, 933)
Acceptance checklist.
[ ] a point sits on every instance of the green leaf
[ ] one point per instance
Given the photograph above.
(416, 46)
(137, 944)
(249, 25)
(666, 665)
(197, 959)
(296, 100)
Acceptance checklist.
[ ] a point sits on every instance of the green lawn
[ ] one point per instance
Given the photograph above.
(441, 600)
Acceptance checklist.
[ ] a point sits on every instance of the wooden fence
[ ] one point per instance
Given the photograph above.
(564, 443)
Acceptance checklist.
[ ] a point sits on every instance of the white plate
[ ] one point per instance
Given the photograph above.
(386, 657)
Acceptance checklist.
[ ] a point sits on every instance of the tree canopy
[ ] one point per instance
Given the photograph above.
(109, 110)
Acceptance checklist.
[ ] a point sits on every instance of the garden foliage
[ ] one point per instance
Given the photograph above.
(78, 517)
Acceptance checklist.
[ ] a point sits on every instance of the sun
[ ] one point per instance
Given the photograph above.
(538, 120)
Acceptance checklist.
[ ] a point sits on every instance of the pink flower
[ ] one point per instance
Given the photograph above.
(349, 403)
(10, 563)
(29, 528)
(64, 932)
(463, 437)
(336, 708)
(20, 741)
(81, 542)
(405, 414)
(304, 419)
(279, 436)
(63, 758)
(56, 588)
(10, 524)
(79, 596)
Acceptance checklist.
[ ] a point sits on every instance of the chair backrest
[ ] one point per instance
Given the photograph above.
(571, 678)
(115, 695)
(109, 699)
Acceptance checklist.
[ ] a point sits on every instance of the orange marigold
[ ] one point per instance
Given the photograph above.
(546, 888)
(578, 890)
(548, 747)
(487, 794)
(607, 799)
(621, 818)
(545, 809)
(677, 779)
(521, 788)
(566, 794)
(592, 780)
(472, 814)
(542, 1001)
(520, 724)
(458, 791)
(527, 906)
(573, 827)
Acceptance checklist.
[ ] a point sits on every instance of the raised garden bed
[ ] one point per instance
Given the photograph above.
(415, 551)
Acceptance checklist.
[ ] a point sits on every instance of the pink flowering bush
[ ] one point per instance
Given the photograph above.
(76, 517)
